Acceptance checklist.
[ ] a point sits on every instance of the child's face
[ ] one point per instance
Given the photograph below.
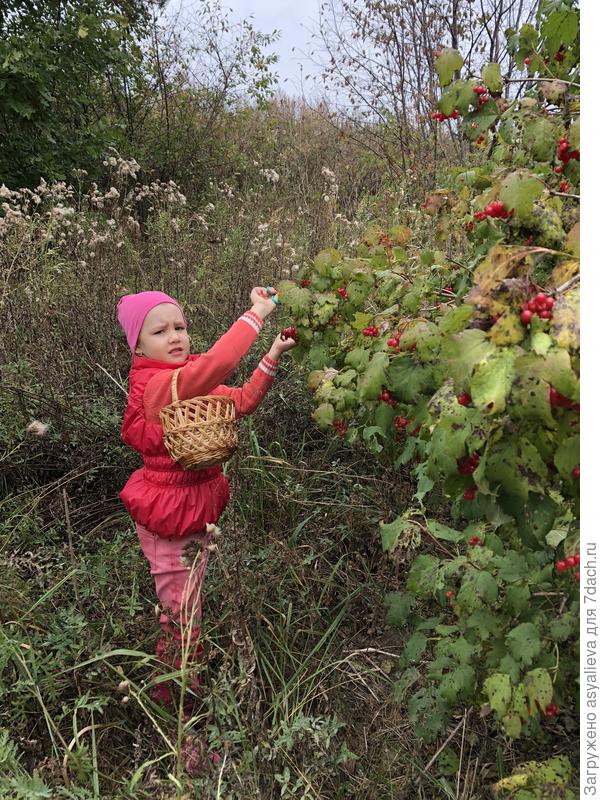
(163, 336)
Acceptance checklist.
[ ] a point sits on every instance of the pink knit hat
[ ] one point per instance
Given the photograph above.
(132, 310)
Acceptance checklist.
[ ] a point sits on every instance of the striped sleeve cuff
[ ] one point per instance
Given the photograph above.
(268, 366)
(253, 320)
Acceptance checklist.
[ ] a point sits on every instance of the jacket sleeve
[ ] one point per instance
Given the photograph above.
(205, 371)
(248, 397)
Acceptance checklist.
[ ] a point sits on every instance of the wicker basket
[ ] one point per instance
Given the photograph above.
(201, 431)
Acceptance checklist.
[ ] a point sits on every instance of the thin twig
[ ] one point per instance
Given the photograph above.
(568, 284)
(448, 740)
(114, 380)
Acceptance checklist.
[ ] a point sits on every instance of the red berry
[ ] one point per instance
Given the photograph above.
(470, 493)
(527, 61)
(560, 566)
(305, 283)
(449, 593)
(480, 89)
(464, 399)
(577, 559)
(545, 314)
(558, 399)
(577, 576)
(575, 472)
(401, 422)
(570, 562)
(526, 316)
(558, 170)
(289, 333)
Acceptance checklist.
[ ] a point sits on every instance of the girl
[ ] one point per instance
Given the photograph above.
(174, 508)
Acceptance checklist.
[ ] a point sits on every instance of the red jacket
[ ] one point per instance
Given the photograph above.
(162, 496)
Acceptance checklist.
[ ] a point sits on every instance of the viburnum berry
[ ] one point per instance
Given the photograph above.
(341, 427)
(561, 566)
(564, 186)
(393, 342)
(576, 472)
(558, 399)
(342, 291)
(464, 399)
(480, 89)
(527, 61)
(469, 494)
(558, 170)
(577, 559)
(474, 540)
(449, 593)
(289, 333)
(415, 431)
(305, 283)
(577, 576)
(526, 316)
(401, 422)
(570, 562)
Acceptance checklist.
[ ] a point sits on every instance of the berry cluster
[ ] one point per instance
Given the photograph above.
(572, 562)
(289, 333)
(541, 305)
(496, 209)
(564, 154)
(482, 94)
(400, 423)
(342, 291)
(564, 186)
(371, 330)
(387, 398)
(340, 427)
(394, 342)
(442, 117)
(305, 283)
(475, 540)
(464, 399)
(469, 465)
(552, 710)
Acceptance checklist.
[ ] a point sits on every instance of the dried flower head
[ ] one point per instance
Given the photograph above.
(37, 428)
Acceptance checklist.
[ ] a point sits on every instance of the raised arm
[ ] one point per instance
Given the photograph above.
(205, 371)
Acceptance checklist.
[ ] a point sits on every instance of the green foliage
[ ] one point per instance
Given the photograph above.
(504, 456)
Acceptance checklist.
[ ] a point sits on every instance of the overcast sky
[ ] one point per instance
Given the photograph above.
(293, 18)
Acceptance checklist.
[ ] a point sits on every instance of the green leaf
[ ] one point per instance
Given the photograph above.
(460, 682)
(492, 381)
(444, 532)
(294, 297)
(428, 714)
(357, 358)
(398, 605)
(539, 138)
(538, 685)
(392, 531)
(461, 352)
(370, 382)
(324, 415)
(512, 724)
(447, 63)
(517, 599)
(524, 643)
(560, 27)
(563, 627)
(498, 690)
(456, 320)
(492, 78)
(408, 678)
(415, 647)
(423, 578)
(519, 191)
(567, 456)
(407, 380)
(325, 260)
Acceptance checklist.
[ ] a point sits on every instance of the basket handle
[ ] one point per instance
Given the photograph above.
(174, 397)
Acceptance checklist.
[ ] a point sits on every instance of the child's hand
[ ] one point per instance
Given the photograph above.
(281, 345)
(261, 300)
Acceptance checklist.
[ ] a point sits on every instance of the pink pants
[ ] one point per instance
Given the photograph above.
(178, 565)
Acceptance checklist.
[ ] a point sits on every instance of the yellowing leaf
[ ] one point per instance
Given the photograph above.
(446, 64)
(519, 191)
(564, 271)
(507, 330)
(502, 262)
(565, 320)
(492, 77)
(400, 235)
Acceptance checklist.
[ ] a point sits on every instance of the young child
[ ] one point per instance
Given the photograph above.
(171, 506)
